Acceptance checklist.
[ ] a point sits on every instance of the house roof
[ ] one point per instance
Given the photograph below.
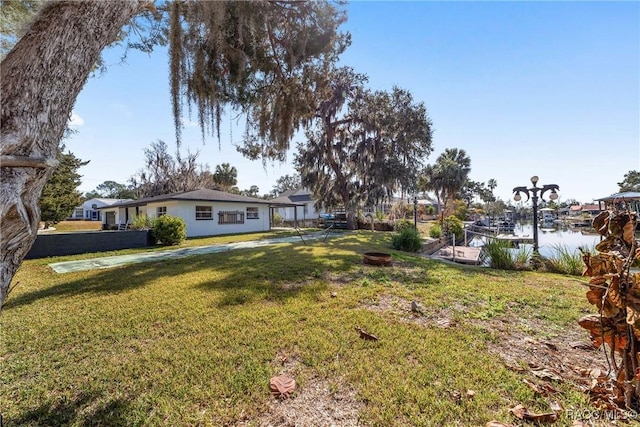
(296, 197)
(590, 207)
(627, 195)
(200, 195)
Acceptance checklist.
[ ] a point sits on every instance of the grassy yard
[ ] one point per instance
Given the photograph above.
(194, 341)
(66, 226)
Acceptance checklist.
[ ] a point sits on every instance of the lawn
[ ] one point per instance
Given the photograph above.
(194, 341)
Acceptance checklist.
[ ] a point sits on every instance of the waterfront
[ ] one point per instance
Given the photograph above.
(549, 238)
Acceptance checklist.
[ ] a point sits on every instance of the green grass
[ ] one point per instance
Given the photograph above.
(194, 341)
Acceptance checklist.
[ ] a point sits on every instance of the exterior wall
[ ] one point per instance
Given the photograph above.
(199, 227)
(59, 244)
(209, 227)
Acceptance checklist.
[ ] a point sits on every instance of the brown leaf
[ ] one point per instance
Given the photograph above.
(518, 411)
(495, 423)
(614, 292)
(366, 335)
(628, 232)
(601, 223)
(471, 394)
(594, 296)
(282, 386)
(607, 244)
(546, 374)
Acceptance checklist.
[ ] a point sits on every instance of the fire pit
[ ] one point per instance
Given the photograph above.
(377, 258)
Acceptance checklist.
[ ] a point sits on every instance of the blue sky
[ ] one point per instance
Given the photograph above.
(525, 88)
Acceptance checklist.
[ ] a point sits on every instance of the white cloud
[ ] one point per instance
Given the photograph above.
(75, 121)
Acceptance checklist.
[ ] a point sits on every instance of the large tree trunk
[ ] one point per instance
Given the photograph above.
(39, 82)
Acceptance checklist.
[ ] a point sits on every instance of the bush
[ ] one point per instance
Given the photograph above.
(406, 240)
(503, 257)
(169, 230)
(277, 219)
(435, 231)
(454, 225)
(142, 222)
(402, 224)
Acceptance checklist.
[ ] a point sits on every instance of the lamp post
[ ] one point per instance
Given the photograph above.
(533, 192)
(415, 213)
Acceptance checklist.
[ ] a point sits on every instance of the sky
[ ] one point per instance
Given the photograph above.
(525, 88)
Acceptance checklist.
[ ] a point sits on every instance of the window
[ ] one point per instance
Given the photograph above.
(306, 209)
(161, 210)
(252, 213)
(230, 217)
(204, 212)
(78, 213)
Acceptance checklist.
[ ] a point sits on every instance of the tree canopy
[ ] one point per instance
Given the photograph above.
(60, 195)
(111, 190)
(448, 175)
(365, 146)
(631, 182)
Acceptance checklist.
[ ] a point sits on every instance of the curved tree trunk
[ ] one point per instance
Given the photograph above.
(39, 82)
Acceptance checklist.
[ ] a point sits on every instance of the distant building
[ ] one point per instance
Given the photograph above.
(90, 210)
(301, 206)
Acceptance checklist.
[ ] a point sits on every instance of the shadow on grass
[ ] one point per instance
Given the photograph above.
(245, 274)
(84, 410)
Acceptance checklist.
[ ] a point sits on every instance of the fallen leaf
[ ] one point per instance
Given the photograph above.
(366, 335)
(494, 423)
(470, 394)
(518, 411)
(282, 386)
(546, 374)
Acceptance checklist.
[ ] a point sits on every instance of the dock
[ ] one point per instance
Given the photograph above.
(460, 254)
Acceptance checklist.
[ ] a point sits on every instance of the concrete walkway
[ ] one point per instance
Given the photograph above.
(118, 260)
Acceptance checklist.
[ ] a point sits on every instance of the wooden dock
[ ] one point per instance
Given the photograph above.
(460, 254)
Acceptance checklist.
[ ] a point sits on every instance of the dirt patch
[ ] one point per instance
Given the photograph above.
(402, 310)
(316, 403)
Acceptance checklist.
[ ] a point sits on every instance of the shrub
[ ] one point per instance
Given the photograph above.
(142, 222)
(503, 257)
(277, 219)
(406, 240)
(169, 230)
(565, 261)
(402, 224)
(435, 231)
(454, 225)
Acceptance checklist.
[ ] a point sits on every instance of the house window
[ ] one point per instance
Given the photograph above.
(230, 217)
(252, 213)
(306, 209)
(161, 210)
(78, 213)
(204, 212)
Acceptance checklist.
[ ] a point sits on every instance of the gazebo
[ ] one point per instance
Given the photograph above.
(631, 198)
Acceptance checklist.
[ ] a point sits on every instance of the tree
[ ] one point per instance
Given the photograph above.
(111, 190)
(447, 176)
(366, 144)
(262, 58)
(253, 191)
(14, 17)
(225, 177)
(164, 174)
(631, 182)
(60, 195)
(284, 183)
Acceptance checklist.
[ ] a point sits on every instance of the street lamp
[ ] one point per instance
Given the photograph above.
(415, 213)
(533, 192)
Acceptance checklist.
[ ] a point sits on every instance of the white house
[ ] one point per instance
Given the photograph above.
(298, 205)
(205, 212)
(90, 210)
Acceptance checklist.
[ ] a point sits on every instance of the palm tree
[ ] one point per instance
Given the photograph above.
(451, 169)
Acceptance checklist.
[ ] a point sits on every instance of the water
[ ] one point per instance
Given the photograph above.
(559, 235)
(551, 237)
